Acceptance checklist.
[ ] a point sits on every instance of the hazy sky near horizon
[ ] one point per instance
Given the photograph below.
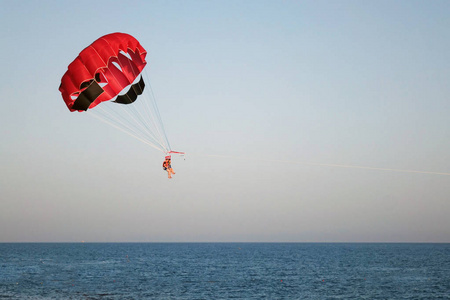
(264, 96)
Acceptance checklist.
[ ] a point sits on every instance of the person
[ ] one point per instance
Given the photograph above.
(168, 167)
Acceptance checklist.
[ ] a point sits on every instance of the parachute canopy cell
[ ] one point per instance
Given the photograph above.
(102, 70)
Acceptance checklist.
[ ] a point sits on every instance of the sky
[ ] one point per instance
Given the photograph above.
(302, 121)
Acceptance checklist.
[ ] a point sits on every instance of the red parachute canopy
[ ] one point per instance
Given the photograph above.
(102, 70)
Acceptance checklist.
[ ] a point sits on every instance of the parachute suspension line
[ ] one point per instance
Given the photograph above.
(112, 114)
(119, 117)
(130, 124)
(127, 132)
(113, 117)
(136, 111)
(156, 110)
(147, 119)
(152, 116)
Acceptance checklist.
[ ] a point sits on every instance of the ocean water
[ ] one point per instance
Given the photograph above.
(224, 271)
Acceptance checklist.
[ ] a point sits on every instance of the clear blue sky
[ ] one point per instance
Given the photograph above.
(279, 87)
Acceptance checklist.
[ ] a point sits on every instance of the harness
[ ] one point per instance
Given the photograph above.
(166, 165)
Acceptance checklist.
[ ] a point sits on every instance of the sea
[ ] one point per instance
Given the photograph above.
(224, 271)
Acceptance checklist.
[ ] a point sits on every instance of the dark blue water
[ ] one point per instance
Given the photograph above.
(224, 271)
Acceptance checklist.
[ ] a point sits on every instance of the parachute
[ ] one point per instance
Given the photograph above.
(106, 80)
